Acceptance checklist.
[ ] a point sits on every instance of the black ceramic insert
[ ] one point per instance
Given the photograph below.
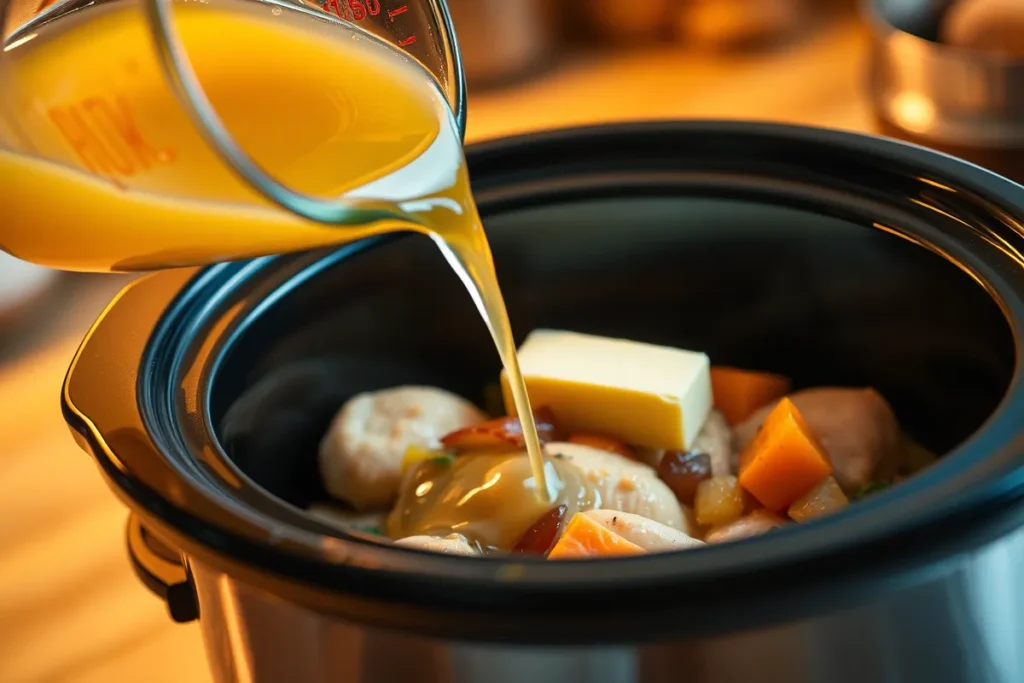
(821, 300)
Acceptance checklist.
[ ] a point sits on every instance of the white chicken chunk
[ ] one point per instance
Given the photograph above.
(856, 427)
(625, 485)
(452, 544)
(714, 439)
(361, 454)
(754, 524)
(652, 536)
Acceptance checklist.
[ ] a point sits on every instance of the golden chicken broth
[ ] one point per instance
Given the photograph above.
(487, 497)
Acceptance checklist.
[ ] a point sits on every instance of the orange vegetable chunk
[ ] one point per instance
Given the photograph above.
(738, 393)
(824, 499)
(583, 538)
(784, 461)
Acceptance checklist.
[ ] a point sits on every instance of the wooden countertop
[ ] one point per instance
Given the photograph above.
(71, 609)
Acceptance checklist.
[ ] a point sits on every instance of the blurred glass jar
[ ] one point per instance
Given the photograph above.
(965, 99)
(995, 27)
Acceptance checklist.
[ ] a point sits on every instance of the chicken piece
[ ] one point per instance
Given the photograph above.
(361, 454)
(624, 485)
(650, 535)
(856, 427)
(452, 544)
(715, 438)
(756, 523)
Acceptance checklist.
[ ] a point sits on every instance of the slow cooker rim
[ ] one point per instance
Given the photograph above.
(440, 563)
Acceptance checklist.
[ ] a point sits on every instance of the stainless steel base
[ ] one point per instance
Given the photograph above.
(966, 623)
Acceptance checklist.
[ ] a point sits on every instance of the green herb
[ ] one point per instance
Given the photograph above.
(368, 529)
(446, 459)
(870, 489)
(558, 456)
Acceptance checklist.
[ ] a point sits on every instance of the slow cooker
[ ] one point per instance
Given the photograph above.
(830, 257)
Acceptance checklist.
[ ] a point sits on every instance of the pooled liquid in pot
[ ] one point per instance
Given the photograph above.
(490, 498)
(323, 106)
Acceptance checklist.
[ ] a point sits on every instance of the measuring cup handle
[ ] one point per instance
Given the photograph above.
(458, 98)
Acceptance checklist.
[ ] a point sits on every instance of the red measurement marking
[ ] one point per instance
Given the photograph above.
(408, 41)
(358, 9)
(352, 10)
(103, 134)
(392, 13)
(337, 9)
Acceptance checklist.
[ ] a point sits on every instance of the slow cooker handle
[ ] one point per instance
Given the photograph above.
(167, 578)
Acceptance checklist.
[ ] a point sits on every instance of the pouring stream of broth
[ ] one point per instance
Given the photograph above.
(112, 175)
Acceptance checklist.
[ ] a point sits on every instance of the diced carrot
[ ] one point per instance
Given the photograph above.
(824, 499)
(584, 538)
(784, 461)
(603, 443)
(738, 393)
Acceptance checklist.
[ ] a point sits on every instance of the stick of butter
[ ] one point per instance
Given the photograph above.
(646, 395)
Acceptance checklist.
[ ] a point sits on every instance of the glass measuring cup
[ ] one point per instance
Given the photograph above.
(69, 102)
